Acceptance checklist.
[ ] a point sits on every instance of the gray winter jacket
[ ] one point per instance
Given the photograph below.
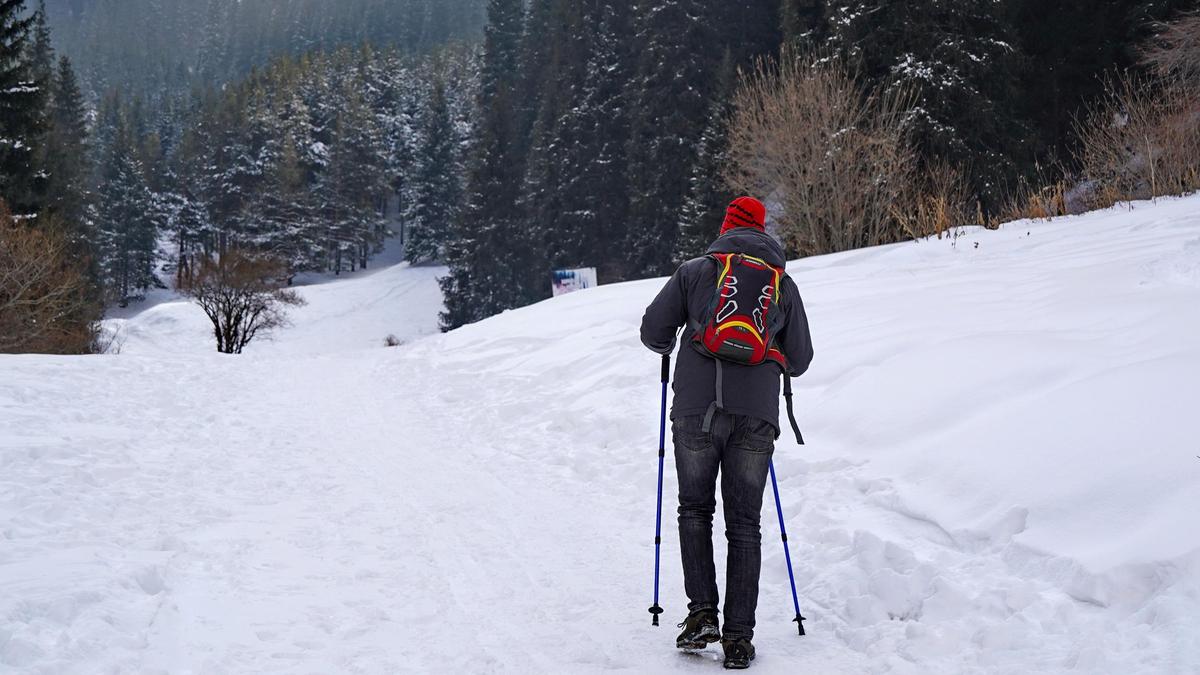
(748, 390)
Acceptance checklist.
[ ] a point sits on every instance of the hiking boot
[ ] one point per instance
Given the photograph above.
(699, 630)
(738, 653)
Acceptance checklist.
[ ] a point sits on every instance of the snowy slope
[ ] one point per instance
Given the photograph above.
(355, 312)
(1002, 476)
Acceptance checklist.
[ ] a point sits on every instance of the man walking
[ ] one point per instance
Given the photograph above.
(725, 413)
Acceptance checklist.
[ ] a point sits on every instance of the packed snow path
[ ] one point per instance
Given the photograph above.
(1001, 477)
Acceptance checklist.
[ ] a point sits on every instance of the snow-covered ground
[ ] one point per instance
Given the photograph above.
(359, 311)
(1001, 477)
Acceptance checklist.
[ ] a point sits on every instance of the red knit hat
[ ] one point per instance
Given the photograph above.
(745, 212)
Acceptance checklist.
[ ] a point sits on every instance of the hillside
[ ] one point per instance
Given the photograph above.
(355, 312)
(1001, 476)
(159, 48)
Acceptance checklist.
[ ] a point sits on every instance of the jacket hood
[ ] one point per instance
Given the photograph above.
(752, 242)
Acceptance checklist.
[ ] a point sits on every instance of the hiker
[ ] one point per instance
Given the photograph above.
(725, 413)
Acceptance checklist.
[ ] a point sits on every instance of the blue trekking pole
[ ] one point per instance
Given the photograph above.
(786, 553)
(655, 610)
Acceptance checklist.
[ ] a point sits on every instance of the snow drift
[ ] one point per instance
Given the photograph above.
(1001, 476)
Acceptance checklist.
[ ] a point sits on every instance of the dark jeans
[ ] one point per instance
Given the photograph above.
(740, 447)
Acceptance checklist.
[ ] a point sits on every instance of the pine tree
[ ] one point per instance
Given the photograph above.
(68, 156)
(42, 50)
(801, 21)
(213, 49)
(553, 204)
(704, 209)
(41, 57)
(21, 109)
(104, 130)
(488, 254)
(286, 211)
(189, 210)
(404, 138)
(674, 88)
(392, 95)
(599, 181)
(254, 159)
(354, 186)
(750, 29)
(958, 60)
(232, 170)
(125, 220)
(438, 181)
(536, 57)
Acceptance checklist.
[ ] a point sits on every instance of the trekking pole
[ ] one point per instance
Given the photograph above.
(655, 610)
(786, 553)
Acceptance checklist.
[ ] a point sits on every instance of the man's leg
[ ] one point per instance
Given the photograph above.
(696, 462)
(744, 470)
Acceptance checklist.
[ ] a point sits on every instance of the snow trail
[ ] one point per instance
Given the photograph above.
(1000, 478)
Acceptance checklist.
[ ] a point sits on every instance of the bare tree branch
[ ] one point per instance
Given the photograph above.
(44, 300)
(834, 159)
(244, 295)
(1175, 52)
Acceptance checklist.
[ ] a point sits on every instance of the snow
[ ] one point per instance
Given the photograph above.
(359, 311)
(1001, 476)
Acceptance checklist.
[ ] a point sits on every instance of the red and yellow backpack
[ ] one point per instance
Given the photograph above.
(744, 314)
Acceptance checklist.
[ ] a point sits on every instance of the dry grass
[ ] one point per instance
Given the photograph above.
(1142, 140)
(1027, 201)
(937, 202)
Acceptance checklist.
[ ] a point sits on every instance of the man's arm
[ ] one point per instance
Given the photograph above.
(666, 314)
(794, 339)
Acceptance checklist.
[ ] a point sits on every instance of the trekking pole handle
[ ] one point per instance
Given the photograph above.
(666, 368)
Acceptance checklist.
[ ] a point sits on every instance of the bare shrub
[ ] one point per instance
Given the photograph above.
(46, 303)
(1141, 140)
(835, 159)
(392, 341)
(1175, 52)
(243, 294)
(109, 341)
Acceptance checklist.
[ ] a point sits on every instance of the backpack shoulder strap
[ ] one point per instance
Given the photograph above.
(719, 398)
(692, 321)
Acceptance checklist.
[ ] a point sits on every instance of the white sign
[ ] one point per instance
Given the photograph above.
(567, 281)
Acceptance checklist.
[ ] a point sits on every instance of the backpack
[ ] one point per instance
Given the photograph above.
(744, 314)
(741, 321)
